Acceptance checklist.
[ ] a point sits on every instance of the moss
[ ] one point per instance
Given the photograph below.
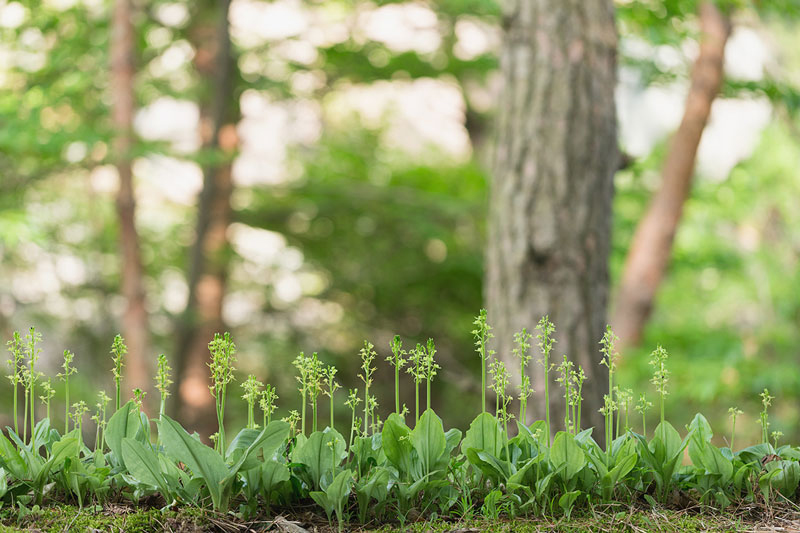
(128, 519)
(662, 521)
(111, 518)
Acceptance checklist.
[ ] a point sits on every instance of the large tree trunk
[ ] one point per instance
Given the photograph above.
(134, 321)
(550, 210)
(209, 256)
(650, 250)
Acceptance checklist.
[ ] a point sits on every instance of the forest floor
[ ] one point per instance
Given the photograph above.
(129, 519)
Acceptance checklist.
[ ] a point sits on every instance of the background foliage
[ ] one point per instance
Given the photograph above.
(372, 238)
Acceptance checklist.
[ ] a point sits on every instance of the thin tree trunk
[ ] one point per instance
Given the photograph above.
(651, 247)
(134, 322)
(209, 255)
(550, 209)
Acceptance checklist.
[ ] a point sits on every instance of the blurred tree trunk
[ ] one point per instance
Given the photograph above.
(134, 321)
(650, 249)
(214, 64)
(550, 208)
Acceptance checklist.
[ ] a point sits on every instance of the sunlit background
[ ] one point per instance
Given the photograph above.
(360, 191)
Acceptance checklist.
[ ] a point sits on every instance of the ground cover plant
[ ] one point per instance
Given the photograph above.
(393, 470)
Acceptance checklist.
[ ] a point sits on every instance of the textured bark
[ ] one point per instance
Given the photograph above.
(550, 210)
(134, 321)
(650, 249)
(209, 256)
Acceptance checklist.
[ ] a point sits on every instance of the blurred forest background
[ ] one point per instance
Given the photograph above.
(327, 182)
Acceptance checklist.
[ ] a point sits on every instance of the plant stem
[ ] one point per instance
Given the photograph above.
(397, 389)
(220, 417)
(416, 401)
(33, 401)
(644, 423)
(332, 410)
(483, 375)
(303, 409)
(314, 413)
(66, 398)
(566, 401)
(25, 418)
(366, 406)
(16, 426)
(547, 394)
(428, 392)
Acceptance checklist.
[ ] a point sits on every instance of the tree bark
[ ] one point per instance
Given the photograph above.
(209, 255)
(550, 207)
(134, 321)
(650, 249)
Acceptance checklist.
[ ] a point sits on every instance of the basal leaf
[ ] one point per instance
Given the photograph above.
(566, 453)
(203, 461)
(429, 440)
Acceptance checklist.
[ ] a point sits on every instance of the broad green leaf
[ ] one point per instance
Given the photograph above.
(339, 490)
(623, 467)
(318, 457)
(272, 474)
(395, 437)
(754, 453)
(142, 463)
(715, 463)
(11, 459)
(3, 483)
(566, 453)
(518, 477)
(567, 500)
(485, 434)
(666, 442)
(489, 465)
(701, 427)
(428, 440)
(452, 439)
(203, 461)
(243, 453)
(375, 487)
(122, 424)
